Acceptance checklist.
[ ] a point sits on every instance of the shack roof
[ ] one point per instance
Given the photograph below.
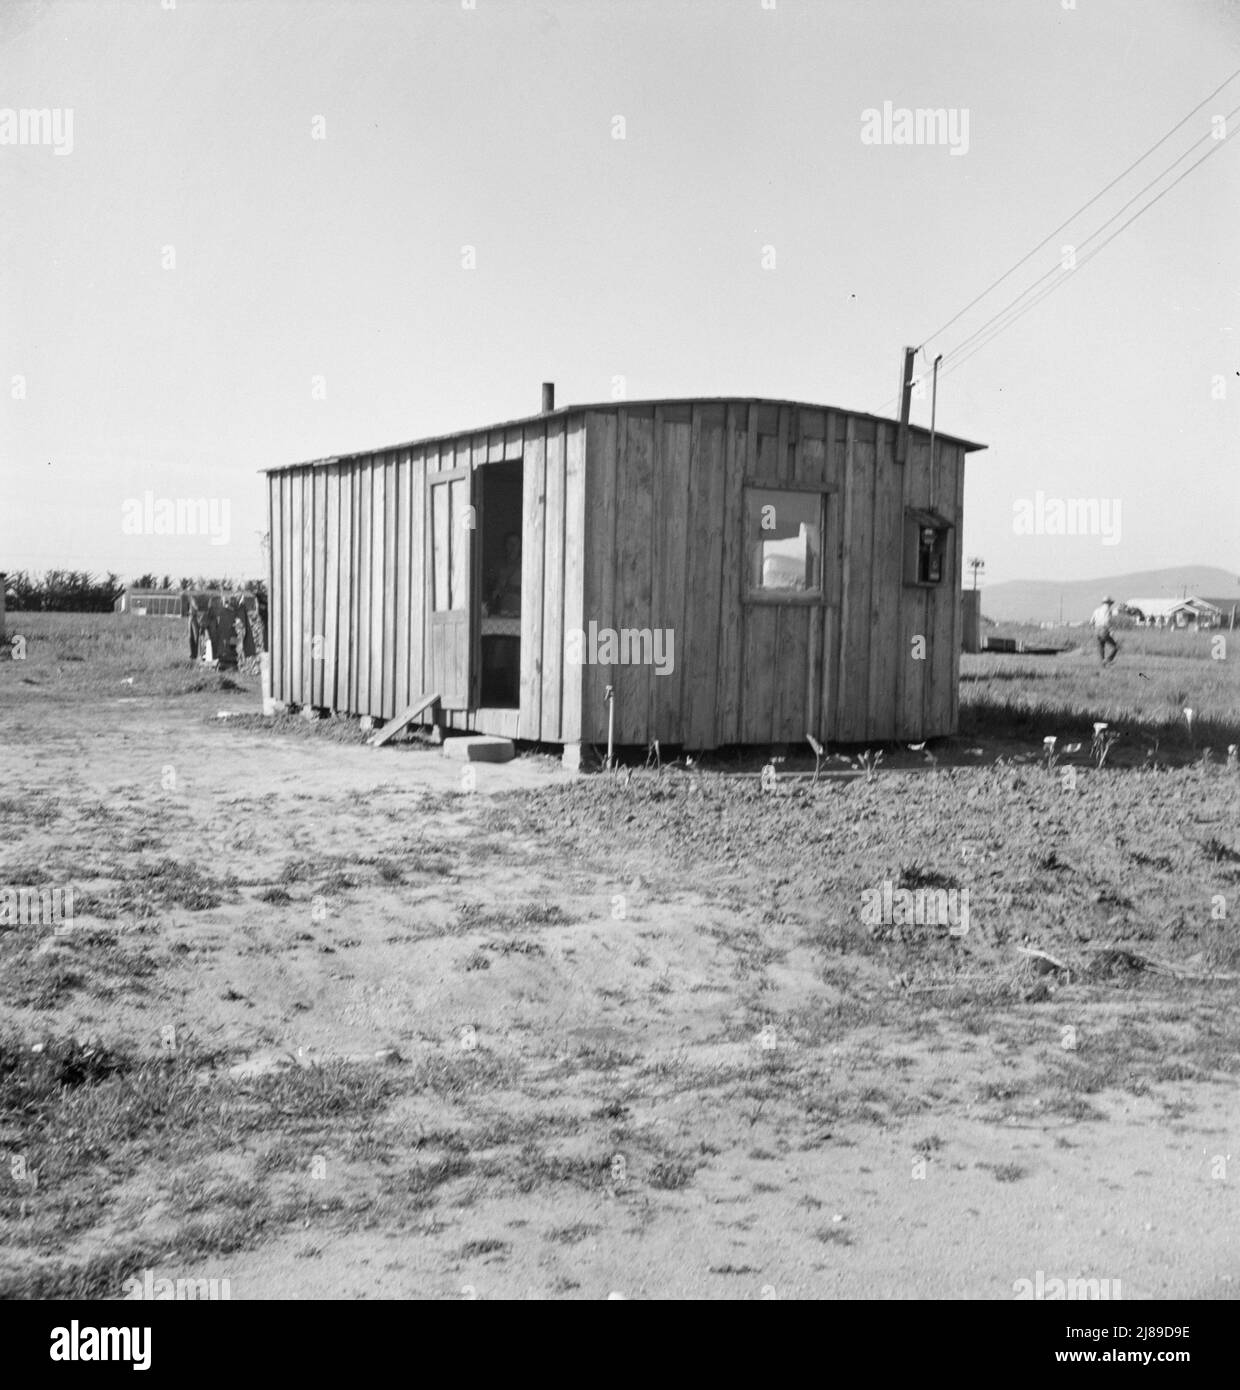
(969, 446)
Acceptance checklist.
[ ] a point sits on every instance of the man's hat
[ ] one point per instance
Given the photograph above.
(1106, 598)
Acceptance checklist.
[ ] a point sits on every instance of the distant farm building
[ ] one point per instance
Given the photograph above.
(733, 571)
(1228, 607)
(1173, 612)
(152, 603)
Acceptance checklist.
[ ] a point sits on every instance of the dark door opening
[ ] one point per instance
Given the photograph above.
(499, 488)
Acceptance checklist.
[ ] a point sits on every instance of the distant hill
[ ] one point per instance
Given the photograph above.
(1038, 600)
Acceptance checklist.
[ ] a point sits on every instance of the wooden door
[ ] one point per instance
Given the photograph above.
(450, 530)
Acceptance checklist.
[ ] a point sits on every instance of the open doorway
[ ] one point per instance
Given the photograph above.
(499, 489)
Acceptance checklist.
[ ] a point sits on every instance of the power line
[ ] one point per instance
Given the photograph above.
(1049, 289)
(1055, 270)
(1083, 208)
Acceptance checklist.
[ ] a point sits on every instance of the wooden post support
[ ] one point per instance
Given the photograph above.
(906, 398)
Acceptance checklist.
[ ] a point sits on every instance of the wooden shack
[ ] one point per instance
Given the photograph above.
(736, 571)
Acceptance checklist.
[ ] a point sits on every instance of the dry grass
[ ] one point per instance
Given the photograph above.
(775, 1024)
(1142, 696)
(110, 655)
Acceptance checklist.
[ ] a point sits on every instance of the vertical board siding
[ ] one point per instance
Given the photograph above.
(318, 561)
(634, 511)
(333, 561)
(533, 526)
(553, 585)
(604, 433)
(417, 573)
(285, 597)
(670, 539)
(571, 597)
(390, 546)
(306, 481)
(758, 673)
(275, 587)
(813, 671)
(378, 593)
(811, 468)
(885, 588)
(791, 654)
(403, 582)
(365, 569)
(350, 598)
(957, 579)
(477, 450)
(858, 504)
(473, 456)
(297, 586)
(731, 579)
(306, 562)
(286, 569)
(344, 601)
(759, 694)
(697, 643)
(785, 463)
(833, 550)
(758, 620)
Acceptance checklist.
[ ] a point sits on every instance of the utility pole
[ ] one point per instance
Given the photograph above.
(976, 564)
(906, 397)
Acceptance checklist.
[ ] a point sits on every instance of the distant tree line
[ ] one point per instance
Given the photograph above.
(77, 591)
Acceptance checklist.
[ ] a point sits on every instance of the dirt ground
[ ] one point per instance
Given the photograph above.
(542, 1036)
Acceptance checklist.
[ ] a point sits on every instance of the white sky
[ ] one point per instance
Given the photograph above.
(598, 257)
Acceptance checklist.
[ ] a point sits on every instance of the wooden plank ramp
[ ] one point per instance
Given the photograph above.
(403, 719)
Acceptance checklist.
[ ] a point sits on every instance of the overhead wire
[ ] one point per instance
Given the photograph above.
(1083, 208)
(1059, 269)
(1064, 275)
(1038, 288)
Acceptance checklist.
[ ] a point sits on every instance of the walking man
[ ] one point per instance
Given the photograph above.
(1102, 618)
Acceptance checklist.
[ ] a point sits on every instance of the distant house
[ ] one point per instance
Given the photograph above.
(1174, 612)
(1228, 607)
(153, 603)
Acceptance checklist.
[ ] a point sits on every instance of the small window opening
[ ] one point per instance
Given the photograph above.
(783, 529)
